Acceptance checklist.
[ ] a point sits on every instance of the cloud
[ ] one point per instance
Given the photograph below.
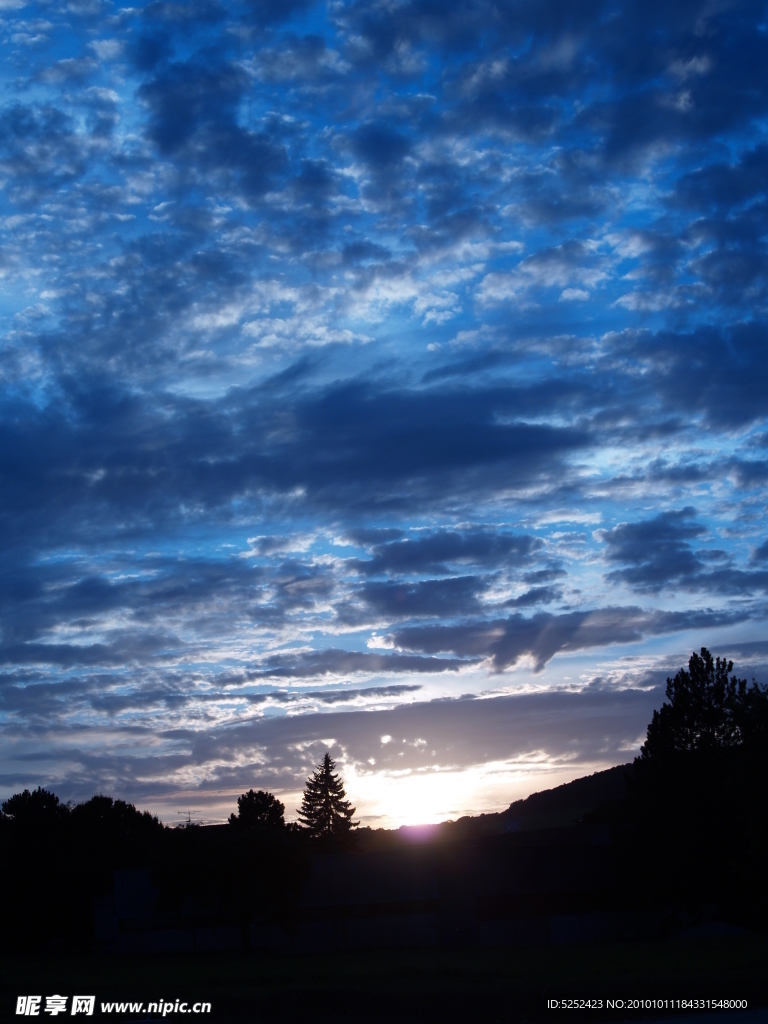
(462, 732)
(536, 595)
(658, 549)
(657, 555)
(436, 552)
(603, 725)
(565, 266)
(445, 598)
(385, 448)
(352, 348)
(379, 146)
(707, 372)
(309, 664)
(40, 151)
(193, 110)
(543, 635)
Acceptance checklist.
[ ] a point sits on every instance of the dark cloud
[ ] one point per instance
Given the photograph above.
(62, 655)
(545, 575)
(434, 553)
(379, 146)
(184, 16)
(725, 186)
(374, 437)
(542, 636)
(267, 12)
(657, 64)
(657, 550)
(193, 111)
(536, 595)
(458, 595)
(357, 252)
(40, 152)
(749, 473)
(339, 662)
(711, 372)
(149, 50)
(315, 183)
(599, 725)
(343, 696)
(469, 732)
(657, 555)
(376, 448)
(602, 725)
(44, 702)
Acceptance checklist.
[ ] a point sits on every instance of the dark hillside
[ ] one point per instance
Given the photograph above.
(552, 808)
(566, 804)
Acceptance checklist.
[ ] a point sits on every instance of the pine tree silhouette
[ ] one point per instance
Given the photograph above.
(706, 712)
(324, 810)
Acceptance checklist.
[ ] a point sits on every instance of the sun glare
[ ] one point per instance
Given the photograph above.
(426, 798)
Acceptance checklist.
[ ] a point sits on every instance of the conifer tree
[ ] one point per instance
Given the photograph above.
(324, 810)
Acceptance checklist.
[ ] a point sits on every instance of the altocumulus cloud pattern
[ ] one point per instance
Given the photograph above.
(381, 377)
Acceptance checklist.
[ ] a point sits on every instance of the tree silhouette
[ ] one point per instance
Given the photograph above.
(38, 809)
(260, 811)
(113, 821)
(324, 810)
(698, 800)
(708, 710)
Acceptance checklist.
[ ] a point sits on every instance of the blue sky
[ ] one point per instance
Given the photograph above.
(381, 377)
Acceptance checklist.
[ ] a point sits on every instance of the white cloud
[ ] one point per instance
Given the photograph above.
(107, 49)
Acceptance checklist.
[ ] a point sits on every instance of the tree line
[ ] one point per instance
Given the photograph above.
(691, 831)
(60, 857)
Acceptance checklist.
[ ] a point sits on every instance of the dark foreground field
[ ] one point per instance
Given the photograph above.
(504, 985)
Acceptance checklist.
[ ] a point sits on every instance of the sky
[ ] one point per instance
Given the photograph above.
(381, 377)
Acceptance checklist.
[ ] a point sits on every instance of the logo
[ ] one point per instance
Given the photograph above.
(83, 1004)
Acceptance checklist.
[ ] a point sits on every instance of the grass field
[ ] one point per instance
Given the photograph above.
(408, 987)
